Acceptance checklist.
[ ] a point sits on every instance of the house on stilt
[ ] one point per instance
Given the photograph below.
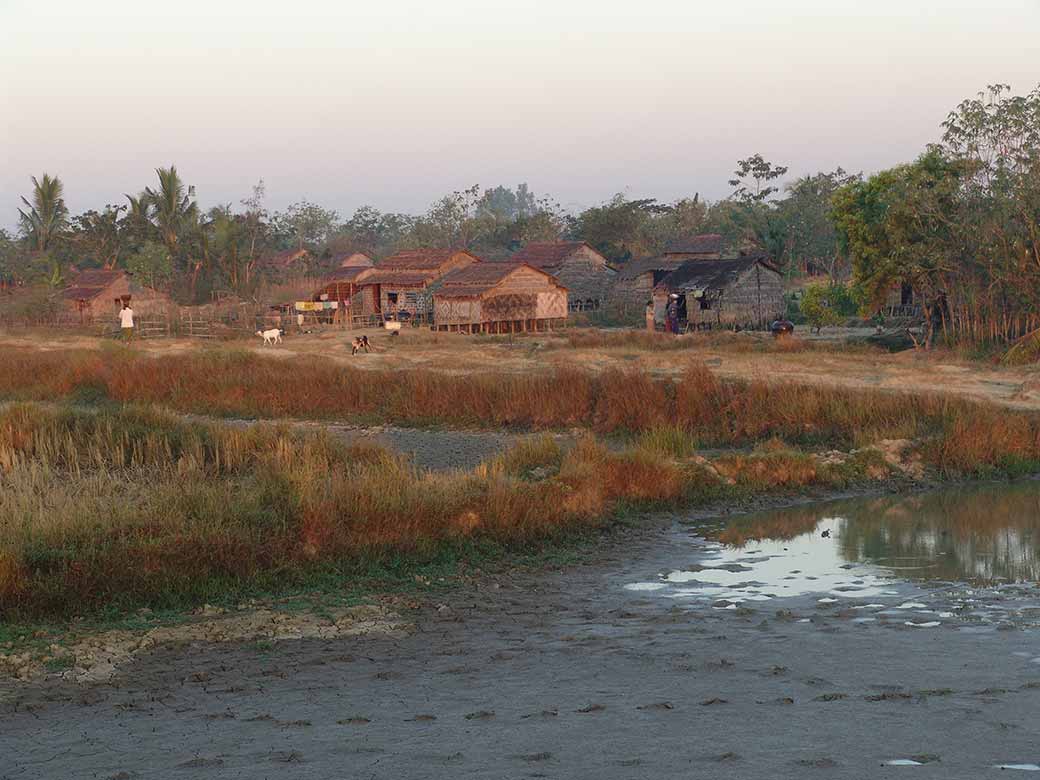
(499, 298)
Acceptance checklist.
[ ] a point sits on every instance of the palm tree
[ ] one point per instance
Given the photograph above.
(172, 206)
(47, 216)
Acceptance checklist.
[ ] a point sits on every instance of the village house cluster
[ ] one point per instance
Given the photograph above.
(534, 289)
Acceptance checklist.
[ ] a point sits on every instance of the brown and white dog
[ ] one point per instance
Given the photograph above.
(359, 343)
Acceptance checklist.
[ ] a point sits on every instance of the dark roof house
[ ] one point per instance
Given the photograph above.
(99, 292)
(741, 292)
(708, 245)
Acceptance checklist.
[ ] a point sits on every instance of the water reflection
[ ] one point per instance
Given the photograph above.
(869, 550)
(977, 534)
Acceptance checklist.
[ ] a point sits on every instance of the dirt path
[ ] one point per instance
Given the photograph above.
(565, 674)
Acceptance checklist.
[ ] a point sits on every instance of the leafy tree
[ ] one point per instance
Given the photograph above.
(257, 229)
(621, 228)
(752, 179)
(305, 225)
(151, 265)
(99, 236)
(897, 227)
(809, 241)
(451, 222)
(822, 305)
(47, 215)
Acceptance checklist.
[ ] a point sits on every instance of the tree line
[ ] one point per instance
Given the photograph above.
(960, 225)
(169, 242)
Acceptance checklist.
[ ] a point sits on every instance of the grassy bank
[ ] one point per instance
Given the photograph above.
(116, 509)
(962, 436)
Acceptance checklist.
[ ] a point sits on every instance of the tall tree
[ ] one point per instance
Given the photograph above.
(47, 216)
(99, 235)
(621, 228)
(173, 208)
(305, 225)
(809, 241)
(752, 179)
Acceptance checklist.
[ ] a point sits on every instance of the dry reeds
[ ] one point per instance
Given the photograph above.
(963, 435)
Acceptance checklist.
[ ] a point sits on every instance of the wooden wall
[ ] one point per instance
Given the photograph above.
(524, 295)
(586, 276)
(753, 300)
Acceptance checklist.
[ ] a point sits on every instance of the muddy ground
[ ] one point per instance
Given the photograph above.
(577, 672)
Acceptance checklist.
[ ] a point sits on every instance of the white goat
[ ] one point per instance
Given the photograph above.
(272, 336)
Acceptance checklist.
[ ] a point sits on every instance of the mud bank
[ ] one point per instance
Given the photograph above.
(574, 673)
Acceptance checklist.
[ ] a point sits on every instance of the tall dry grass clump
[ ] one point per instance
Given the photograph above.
(711, 411)
(138, 506)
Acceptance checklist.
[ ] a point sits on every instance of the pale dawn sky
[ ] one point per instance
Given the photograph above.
(395, 102)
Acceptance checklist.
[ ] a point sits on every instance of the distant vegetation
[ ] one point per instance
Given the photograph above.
(959, 225)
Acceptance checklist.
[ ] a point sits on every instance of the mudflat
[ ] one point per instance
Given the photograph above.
(599, 670)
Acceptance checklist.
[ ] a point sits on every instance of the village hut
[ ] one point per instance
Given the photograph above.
(352, 260)
(289, 262)
(499, 298)
(343, 288)
(739, 292)
(637, 279)
(900, 301)
(399, 285)
(99, 294)
(706, 246)
(578, 267)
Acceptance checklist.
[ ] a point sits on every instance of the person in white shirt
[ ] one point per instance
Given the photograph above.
(126, 322)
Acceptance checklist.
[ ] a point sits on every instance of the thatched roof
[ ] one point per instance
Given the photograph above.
(352, 260)
(547, 254)
(347, 274)
(421, 259)
(479, 278)
(695, 275)
(284, 259)
(87, 285)
(636, 268)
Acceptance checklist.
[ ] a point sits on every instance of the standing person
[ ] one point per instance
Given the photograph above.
(126, 322)
(673, 313)
(650, 316)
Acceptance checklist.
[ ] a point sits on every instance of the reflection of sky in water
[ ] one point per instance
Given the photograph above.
(849, 551)
(775, 569)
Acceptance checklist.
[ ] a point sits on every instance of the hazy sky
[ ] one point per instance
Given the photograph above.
(395, 102)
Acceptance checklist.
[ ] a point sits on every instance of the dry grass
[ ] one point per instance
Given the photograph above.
(961, 435)
(131, 507)
(718, 341)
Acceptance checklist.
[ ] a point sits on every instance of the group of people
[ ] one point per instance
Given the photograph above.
(674, 315)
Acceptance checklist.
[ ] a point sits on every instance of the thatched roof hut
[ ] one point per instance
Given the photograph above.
(499, 298)
(580, 268)
(742, 292)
